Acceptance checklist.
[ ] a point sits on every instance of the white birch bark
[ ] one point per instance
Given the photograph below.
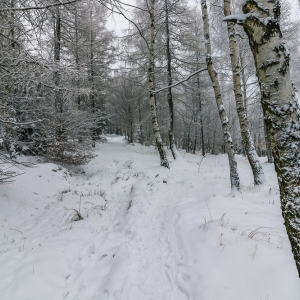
(268, 145)
(234, 176)
(159, 143)
(281, 109)
(251, 153)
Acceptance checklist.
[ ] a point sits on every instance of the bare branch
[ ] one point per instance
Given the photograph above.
(20, 124)
(37, 7)
(179, 82)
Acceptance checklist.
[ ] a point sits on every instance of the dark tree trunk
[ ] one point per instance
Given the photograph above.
(201, 118)
(58, 98)
(78, 97)
(92, 82)
(170, 82)
(244, 83)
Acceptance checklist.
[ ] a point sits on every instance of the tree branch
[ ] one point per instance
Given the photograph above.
(37, 7)
(19, 124)
(179, 82)
(120, 12)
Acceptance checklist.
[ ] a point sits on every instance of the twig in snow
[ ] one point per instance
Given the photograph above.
(16, 230)
(79, 204)
(200, 164)
(209, 211)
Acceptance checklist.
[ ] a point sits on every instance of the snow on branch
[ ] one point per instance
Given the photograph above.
(20, 124)
(179, 82)
(238, 19)
(37, 7)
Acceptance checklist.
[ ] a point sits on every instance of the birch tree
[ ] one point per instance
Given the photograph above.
(261, 22)
(234, 176)
(159, 143)
(145, 38)
(252, 156)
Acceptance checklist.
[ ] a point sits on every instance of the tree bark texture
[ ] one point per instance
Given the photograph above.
(244, 82)
(280, 107)
(201, 117)
(92, 76)
(9, 43)
(58, 99)
(268, 145)
(251, 153)
(234, 176)
(77, 55)
(170, 82)
(159, 143)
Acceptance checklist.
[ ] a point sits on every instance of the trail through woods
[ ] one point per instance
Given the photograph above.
(148, 232)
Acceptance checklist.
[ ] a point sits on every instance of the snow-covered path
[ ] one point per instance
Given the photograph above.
(148, 233)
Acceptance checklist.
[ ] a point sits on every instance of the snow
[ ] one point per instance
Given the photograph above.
(239, 19)
(148, 232)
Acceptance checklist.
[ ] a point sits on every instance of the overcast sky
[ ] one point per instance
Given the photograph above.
(118, 23)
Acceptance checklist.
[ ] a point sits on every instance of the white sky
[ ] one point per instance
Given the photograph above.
(117, 22)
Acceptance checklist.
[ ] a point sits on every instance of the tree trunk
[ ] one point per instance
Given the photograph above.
(131, 131)
(12, 37)
(234, 176)
(170, 82)
(201, 117)
(92, 77)
(251, 153)
(141, 133)
(259, 144)
(195, 132)
(198, 54)
(195, 139)
(8, 44)
(214, 142)
(159, 143)
(268, 145)
(280, 107)
(78, 97)
(58, 100)
(244, 83)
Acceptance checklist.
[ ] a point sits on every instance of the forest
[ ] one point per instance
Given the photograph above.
(127, 127)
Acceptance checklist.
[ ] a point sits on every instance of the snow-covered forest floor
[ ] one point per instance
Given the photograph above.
(148, 233)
